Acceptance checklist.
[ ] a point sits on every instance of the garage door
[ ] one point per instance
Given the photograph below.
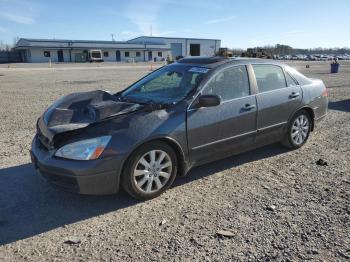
(195, 49)
(176, 50)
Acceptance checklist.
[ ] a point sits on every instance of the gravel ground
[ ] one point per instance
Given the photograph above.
(272, 204)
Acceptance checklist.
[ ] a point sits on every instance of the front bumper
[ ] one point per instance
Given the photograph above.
(93, 177)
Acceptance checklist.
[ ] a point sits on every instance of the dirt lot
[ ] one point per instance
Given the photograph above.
(310, 218)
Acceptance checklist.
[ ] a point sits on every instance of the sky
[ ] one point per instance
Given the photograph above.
(238, 23)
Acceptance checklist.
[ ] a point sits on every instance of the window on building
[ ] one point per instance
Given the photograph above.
(160, 54)
(47, 53)
(269, 77)
(105, 54)
(127, 54)
(229, 83)
(138, 54)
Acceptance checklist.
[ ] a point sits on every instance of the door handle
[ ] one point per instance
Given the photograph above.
(294, 95)
(248, 107)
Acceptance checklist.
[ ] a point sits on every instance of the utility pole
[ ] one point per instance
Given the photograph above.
(151, 30)
(112, 37)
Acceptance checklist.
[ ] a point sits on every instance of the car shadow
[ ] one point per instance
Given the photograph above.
(29, 206)
(231, 162)
(342, 105)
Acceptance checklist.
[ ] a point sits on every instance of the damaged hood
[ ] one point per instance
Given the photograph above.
(78, 110)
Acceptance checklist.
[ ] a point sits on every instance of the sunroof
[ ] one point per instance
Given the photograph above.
(201, 60)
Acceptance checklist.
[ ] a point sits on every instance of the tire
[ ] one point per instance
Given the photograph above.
(144, 178)
(298, 130)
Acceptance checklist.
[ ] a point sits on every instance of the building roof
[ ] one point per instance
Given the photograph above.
(72, 41)
(160, 37)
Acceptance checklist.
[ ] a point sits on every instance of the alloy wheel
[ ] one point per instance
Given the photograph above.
(152, 171)
(300, 129)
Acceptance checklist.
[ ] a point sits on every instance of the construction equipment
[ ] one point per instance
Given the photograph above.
(257, 53)
(223, 51)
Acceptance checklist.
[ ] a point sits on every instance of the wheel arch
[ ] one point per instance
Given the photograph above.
(182, 166)
(182, 160)
(311, 113)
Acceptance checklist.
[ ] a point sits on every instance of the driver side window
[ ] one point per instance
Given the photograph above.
(229, 83)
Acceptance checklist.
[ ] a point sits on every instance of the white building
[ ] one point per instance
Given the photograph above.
(142, 48)
(183, 46)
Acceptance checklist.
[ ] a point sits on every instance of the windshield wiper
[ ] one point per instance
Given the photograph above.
(144, 101)
(126, 99)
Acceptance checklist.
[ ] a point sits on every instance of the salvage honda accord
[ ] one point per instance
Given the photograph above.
(182, 115)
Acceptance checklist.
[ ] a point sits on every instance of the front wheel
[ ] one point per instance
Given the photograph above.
(150, 170)
(298, 131)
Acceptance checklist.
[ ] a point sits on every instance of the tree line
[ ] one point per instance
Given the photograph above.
(288, 50)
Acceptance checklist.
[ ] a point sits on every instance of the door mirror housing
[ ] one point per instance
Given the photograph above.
(207, 101)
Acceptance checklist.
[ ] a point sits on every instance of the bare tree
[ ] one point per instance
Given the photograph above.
(15, 40)
(2, 46)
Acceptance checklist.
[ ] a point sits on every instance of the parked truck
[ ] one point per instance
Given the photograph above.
(95, 56)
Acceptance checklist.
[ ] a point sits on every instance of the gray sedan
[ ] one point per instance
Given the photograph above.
(182, 115)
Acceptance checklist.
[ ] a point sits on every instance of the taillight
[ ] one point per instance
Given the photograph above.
(325, 92)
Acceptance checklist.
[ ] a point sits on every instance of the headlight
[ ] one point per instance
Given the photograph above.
(85, 149)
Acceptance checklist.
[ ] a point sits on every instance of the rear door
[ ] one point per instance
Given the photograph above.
(212, 131)
(278, 98)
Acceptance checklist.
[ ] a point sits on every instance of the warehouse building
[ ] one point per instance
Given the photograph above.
(144, 48)
(183, 46)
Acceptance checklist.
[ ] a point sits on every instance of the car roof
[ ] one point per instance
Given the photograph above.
(215, 61)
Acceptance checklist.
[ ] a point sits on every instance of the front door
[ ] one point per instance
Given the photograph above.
(117, 56)
(278, 98)
(213, 131)
(149, 55)
(60, 56)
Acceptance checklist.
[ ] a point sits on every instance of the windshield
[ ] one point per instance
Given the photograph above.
(167, 85)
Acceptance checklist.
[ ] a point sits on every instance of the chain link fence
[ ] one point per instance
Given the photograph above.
(10, 57)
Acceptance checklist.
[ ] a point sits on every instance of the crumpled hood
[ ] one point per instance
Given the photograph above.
(78, 110)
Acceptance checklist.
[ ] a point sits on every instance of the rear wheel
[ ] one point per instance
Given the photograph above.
(298, 131)
(150, 170)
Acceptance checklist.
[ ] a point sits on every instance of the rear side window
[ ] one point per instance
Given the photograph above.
(269, 77)
(290, 80)
(229, 83)
(302, 80)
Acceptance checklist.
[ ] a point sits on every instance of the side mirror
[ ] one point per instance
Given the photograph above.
(208, 101)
